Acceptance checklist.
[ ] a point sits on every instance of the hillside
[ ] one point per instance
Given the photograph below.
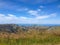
(13, 34)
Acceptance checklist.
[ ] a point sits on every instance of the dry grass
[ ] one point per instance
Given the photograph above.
(31, 37)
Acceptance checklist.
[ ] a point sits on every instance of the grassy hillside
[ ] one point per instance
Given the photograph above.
(11, 34)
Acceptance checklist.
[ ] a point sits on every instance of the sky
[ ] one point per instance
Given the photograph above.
(29, 11)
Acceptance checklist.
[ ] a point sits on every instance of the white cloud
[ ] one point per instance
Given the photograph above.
(34, 12)
(10, 18)
(38, 9)
(42, 17)
(24, 18)
(53, 14)
(2, 15)
(37, 14)
(46, 16)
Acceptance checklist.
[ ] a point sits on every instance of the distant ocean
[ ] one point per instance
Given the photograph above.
(39, 24)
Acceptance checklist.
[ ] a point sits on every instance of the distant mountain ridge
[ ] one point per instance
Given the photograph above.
(8, 27)
(14, 28)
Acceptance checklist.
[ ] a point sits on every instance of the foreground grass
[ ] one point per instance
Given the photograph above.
(53, 40)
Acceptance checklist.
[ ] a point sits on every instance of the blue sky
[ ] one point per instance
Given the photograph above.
(29, 11)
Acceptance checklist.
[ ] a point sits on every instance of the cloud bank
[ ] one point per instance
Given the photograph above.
(12, 19)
